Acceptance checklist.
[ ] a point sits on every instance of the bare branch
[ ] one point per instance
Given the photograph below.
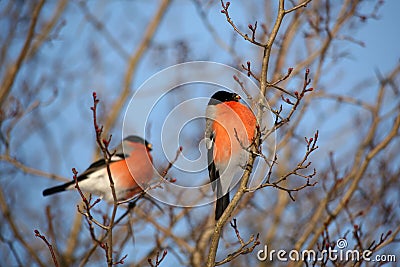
(301, 5)
(53, 255)
(133, 62)
(12, 71)
(245, 247)
(158, 260)
(225, 7)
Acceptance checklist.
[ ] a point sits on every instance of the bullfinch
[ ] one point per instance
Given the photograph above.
(230, 129)
(130, 166)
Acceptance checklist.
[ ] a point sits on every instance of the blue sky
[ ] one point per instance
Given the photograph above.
(85, 62)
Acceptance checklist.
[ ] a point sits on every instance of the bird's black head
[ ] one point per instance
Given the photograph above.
(137, 139)
(223, 96)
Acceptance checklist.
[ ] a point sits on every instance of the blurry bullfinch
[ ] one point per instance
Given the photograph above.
(230, 129)
(130, 167)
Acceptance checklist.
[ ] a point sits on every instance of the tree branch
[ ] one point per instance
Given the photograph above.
(12, 71)
(133, 62)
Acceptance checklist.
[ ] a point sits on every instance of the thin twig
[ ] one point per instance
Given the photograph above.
(158, 260)
(244, 248)
(225, 7)
(53, 255)
(301, 5)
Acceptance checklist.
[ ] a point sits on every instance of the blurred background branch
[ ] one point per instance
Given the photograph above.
(54, 54)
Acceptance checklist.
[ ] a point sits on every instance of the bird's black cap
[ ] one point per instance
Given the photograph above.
(137, 139)
(223, 96)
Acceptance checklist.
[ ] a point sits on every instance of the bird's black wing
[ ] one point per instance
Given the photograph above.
(213, 172)
(99, 164)
(95, 166)
(222, 200)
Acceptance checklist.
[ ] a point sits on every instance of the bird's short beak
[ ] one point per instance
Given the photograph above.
(149, 146)
(237, 97)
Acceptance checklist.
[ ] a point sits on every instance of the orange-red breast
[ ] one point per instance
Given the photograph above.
(230, 129)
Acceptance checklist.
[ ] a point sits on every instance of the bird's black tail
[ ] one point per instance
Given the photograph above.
(57, 189)
(222, 202)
